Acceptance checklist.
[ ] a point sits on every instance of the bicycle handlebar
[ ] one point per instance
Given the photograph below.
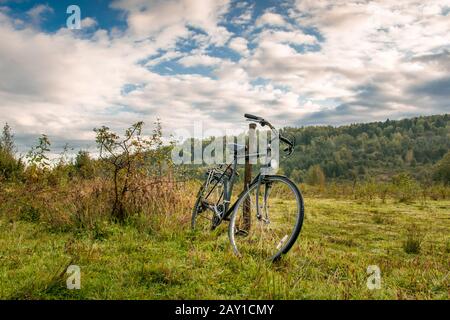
(261, 120)
(264, 122)
(252, 117)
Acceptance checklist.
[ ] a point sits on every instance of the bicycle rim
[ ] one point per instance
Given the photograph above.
(202, 216)
(273, 233)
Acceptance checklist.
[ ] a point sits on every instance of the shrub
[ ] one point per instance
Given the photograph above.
(297, 175)
(84, 165)
(405, 187)
(441, 171)
(130, 161)
(413, 241)
(7, 140)
(378, 218)
(10, 167)
(366, 190)
(39, 163)
(315, 176)
(37, 156)
(29, 213)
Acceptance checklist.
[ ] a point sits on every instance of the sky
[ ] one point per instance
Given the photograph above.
(296, 63)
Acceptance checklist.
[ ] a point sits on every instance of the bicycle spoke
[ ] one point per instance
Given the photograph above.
(210, 196)
(271, 232)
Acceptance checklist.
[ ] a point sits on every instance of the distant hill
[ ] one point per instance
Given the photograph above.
(378, 149)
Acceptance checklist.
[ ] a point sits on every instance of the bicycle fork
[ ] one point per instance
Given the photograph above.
(267, 187)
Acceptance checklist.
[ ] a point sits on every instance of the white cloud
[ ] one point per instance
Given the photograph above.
(270, 18)
(168, 19)
(77, 85)
(292, 37)
(37, 12)
(365, 57)
(60, 84)
(239, 45)
(246, 16)
(199, 60)
(366, 45)
(88, 22)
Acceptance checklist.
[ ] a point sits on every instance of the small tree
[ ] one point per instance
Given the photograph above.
(10, 167)
(38, 160)
(64, 157)
(441, 171)
(37, 156)
(84, 165)
(7, 140)
(405, 187)
(125, 156)
(63, 170)
(296, 175)
(315, 176)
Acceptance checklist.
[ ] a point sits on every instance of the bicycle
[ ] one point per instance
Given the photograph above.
(253, 229)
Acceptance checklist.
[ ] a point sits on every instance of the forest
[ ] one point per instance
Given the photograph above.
(378, 149)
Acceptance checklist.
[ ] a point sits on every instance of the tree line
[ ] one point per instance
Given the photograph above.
(417, 146)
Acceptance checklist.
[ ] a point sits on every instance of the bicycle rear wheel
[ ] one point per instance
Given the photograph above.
(272, 231)
(210, 194)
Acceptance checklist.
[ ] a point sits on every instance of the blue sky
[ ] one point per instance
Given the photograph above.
(55, 19)
(297, 62)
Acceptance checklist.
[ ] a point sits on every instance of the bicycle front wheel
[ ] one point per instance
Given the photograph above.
(273, 229)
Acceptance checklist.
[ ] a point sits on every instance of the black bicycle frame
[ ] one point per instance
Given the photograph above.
(228, 185)
(229, 210)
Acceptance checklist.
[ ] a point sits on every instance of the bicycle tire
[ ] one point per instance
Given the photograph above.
(195, 213)
(195, 209)
(299, 216)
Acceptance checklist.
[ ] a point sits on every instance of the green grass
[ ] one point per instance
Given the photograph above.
(339, 240)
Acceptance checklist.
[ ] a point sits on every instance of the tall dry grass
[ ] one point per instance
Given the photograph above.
(82, 204)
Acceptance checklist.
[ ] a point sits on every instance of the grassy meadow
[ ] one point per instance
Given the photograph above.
(124, 218)
(157, 256)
